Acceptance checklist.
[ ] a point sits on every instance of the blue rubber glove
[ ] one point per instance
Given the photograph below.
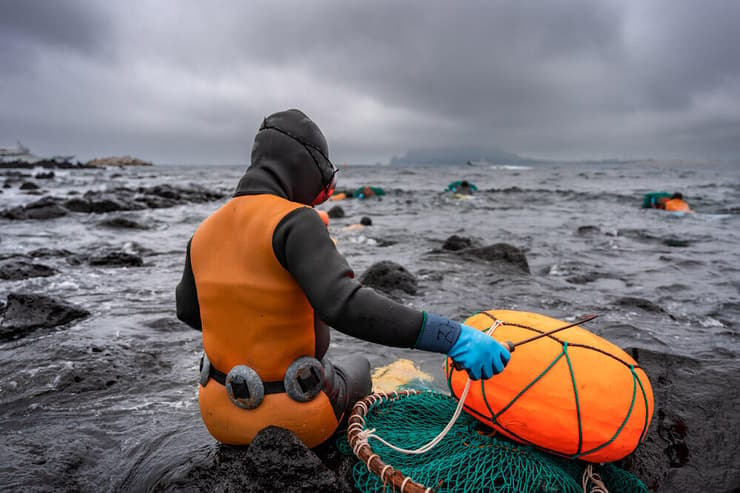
(479, 353)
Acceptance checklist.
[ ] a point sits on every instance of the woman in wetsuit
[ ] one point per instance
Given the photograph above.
(262, 279)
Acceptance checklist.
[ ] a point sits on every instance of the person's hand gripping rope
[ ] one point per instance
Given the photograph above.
(479, 354)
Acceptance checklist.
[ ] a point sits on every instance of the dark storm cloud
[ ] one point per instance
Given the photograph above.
(189, 81)
(28, 27)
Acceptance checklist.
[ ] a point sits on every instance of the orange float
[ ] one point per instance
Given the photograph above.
(571, 393)
(677, 205)
(324, 216)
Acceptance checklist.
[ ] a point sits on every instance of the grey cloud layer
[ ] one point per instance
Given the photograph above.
(188, 81)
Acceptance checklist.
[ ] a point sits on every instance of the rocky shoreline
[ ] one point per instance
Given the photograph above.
(51, 163)
(116, 199)
(691, 444)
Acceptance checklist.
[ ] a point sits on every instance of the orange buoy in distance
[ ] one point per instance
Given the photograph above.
(324, 216)
(571, 393)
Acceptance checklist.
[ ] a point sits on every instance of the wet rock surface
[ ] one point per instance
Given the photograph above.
(122, 223)
(390, 278)
(336, 212)
(501, 256)
(455, 243)
(276, 460)
(116, 259)
(44, 208)
(117, 199)
(631, 302)
(691, 444)
(14, 270)
(25, 312)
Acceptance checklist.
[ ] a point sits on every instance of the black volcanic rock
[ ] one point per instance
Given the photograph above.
(691, 444)
(455, 243)
(276, 460)
(25, 312)
(122, 223)
(389, 277)
(14, 270)
(500, 255)
(118, 199)
(336, 212)
(116, 259)
(44, 208)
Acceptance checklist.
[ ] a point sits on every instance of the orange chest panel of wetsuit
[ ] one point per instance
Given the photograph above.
(253, 313)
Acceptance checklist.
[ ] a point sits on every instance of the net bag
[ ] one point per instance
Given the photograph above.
(470, 458)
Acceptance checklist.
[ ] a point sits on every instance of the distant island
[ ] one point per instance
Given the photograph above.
(21, 157)
(480, 157)
(459, 155)
(105, 162)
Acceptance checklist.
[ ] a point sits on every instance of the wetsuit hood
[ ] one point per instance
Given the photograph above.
(290, 159)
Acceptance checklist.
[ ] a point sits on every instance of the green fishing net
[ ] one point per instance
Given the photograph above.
(470, 458)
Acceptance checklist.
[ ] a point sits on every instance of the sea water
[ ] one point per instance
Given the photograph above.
(110, 403)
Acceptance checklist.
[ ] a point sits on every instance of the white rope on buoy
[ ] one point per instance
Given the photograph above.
(365, 435)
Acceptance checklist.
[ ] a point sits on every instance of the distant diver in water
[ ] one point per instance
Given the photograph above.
(463, 187)
(665, 201)
(368, 192)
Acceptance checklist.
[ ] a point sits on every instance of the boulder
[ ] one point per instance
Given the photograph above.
(116, 259)
(455, 243)
(15, 270)
(691, 444)
(336, 212)
(503, 256)
(122, 223)
(276, 460)
(631, 302)
(390, 278)
(25, 312)
(118, 199)
(44, 208)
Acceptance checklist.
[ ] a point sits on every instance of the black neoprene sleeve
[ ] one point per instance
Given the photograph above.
(303, 246)
(186, 295)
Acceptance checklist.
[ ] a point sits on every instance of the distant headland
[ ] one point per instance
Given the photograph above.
(20, 156)
(459, 155)
(473, 156)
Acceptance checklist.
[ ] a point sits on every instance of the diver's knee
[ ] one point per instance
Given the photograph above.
(356, 374)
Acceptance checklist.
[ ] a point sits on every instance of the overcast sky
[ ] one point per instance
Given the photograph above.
(189, 81)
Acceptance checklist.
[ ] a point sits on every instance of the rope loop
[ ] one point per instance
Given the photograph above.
(590, 476)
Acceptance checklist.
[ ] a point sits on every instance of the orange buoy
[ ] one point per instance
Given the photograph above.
(338, 196)
(324, 216)
(572, 393)
(677, 205)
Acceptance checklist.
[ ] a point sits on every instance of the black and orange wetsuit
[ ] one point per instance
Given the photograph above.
(262, 280)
